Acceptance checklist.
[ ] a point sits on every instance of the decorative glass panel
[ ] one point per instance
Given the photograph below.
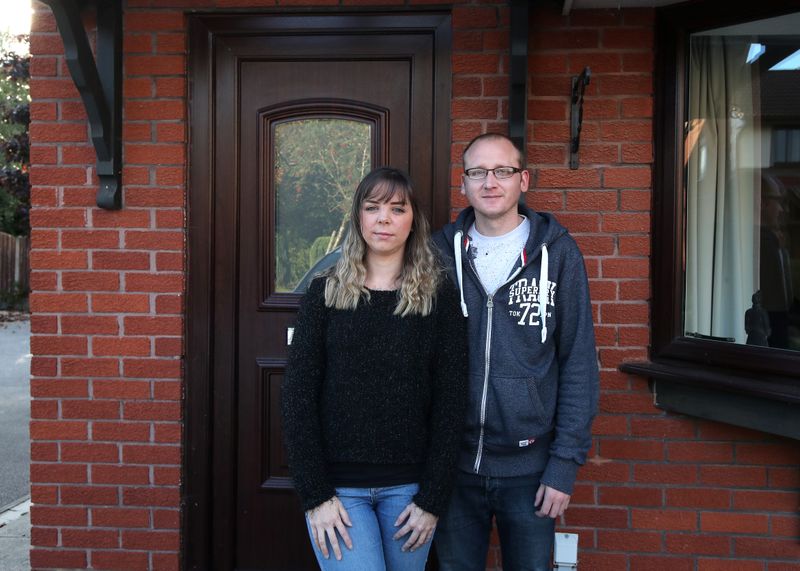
(742, 150)
(317, 165)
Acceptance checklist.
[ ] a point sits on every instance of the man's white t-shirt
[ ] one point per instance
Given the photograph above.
(495, 256)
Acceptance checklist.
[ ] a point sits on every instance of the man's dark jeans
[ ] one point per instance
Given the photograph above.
(462, 535)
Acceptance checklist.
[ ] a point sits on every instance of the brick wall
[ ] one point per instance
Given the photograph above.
(660, 491)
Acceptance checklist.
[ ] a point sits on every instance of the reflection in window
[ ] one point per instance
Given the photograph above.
(743, 186)
(317, 165)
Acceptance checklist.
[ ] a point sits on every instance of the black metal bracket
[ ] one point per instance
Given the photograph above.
(579, 84)
(518, 93)
(99, 84)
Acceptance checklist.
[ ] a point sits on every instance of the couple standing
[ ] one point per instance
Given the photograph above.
(393, 428)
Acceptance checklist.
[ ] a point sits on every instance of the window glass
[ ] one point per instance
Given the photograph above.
(742, 169)
(317, 165)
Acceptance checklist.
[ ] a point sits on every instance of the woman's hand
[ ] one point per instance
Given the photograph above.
(420, 523)
(325, 520)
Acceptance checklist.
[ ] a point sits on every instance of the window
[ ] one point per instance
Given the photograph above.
(726, 220)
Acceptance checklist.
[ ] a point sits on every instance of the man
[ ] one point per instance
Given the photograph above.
(533, 377)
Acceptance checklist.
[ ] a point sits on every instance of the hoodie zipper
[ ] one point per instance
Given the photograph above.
(488, 352)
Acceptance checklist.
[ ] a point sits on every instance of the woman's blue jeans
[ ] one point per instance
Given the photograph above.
(373, 512)
(462, 536)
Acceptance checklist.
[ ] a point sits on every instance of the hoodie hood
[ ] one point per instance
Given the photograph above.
(545, 230)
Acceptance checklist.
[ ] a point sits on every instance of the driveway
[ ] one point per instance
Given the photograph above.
(15, 407)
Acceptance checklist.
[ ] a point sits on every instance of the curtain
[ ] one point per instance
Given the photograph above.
(721, 189)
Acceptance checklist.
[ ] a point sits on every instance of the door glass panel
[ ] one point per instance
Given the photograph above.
(317, 165)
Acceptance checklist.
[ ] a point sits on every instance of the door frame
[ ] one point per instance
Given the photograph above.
(208, 517)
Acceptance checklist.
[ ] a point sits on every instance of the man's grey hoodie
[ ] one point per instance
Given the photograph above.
(533, 375)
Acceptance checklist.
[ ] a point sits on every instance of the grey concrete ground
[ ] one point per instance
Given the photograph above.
(14, 443)
(15, 409)
(15, 538)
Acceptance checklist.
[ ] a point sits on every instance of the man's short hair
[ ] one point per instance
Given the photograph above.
(495, 137)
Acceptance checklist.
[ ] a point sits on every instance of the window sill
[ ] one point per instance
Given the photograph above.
(767, 403)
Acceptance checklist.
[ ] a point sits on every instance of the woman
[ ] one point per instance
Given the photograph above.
(373, 400)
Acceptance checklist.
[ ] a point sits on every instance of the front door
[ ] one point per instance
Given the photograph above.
(288, 114)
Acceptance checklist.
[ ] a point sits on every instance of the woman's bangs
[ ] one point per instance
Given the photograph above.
(388, 191)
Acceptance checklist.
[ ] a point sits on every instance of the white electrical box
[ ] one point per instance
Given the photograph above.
(565, 552)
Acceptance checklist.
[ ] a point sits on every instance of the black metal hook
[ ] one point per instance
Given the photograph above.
(579, 84)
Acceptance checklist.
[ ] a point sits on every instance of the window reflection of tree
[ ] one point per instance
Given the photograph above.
(318, 164)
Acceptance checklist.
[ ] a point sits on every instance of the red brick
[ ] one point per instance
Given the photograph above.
(120, 560)
(768, 501)
(700, 452)
(637, 107)
(90, 367)
(567, 178)
(46, 259)
(170, 87)
(632, 449)
(126, 389)
(642, 62)
(152, 411)
(628, 313)
(168, 433)
(121, 431)
(166, 519)
(649, 563)
(56, 176)
(43, 366)
(734, 522)
(785, 526)
(126, 218)
(700, 498)
(151, 540)
(93, 538)
(44, 537)
(89, 495)
(152, 368)
(166, 476)
(58, 345)
(167, 390)
(598, 153)
(146, 454)
(557, 39)
(665, 474)
(60, 558)
(44, 409)
(734, 476)
(634, 290)
(133, 43)
(628, 541)
(150, 65)
(474, 109)
(784, 477)
(153, 282)
(604, 471)
(592, 201)
(90, 409)
(120, 303)
(171, 43)
(154, 110)
(89, 452)
(155, 154)
(767, 453)
(170, 219)
(593, 245)
(69, 388)
(170, 261)
(166, 497)
(120, 517)
(57, 430)
(121, 346)
(685, 520)
(154, 21)
(57, 217)
(631, 496)
(160, 240)
(626, 131)
(90, 281)
(596, 517)
(89, 239)
(767, 548)
(58, 473)
(106, 474)
(89, 324)
(627, 177)
(44, 452)
(578, 223)
(153, 325)
(474, 17)
(120, 261)
(58, 302)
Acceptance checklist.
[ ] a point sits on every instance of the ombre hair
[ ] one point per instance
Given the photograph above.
(420, 274)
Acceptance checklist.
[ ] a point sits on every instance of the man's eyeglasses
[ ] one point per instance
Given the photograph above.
(500, 173)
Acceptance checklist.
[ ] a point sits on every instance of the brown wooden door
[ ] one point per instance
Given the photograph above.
(290, 113)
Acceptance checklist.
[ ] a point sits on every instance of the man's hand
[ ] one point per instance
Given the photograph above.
(551, 502)
(419, 523)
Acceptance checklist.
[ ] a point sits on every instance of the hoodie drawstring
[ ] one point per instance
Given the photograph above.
(544, 291)
(460, 270)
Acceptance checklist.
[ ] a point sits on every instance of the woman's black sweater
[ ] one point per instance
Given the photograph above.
(366, 386)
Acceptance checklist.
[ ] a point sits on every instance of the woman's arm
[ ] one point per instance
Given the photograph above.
(449, 398)
(300, 400)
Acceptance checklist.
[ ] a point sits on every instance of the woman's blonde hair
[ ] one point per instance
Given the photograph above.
(421, 273)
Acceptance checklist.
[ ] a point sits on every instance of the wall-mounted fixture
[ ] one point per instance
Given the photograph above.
(99, 82)
(579, 84)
